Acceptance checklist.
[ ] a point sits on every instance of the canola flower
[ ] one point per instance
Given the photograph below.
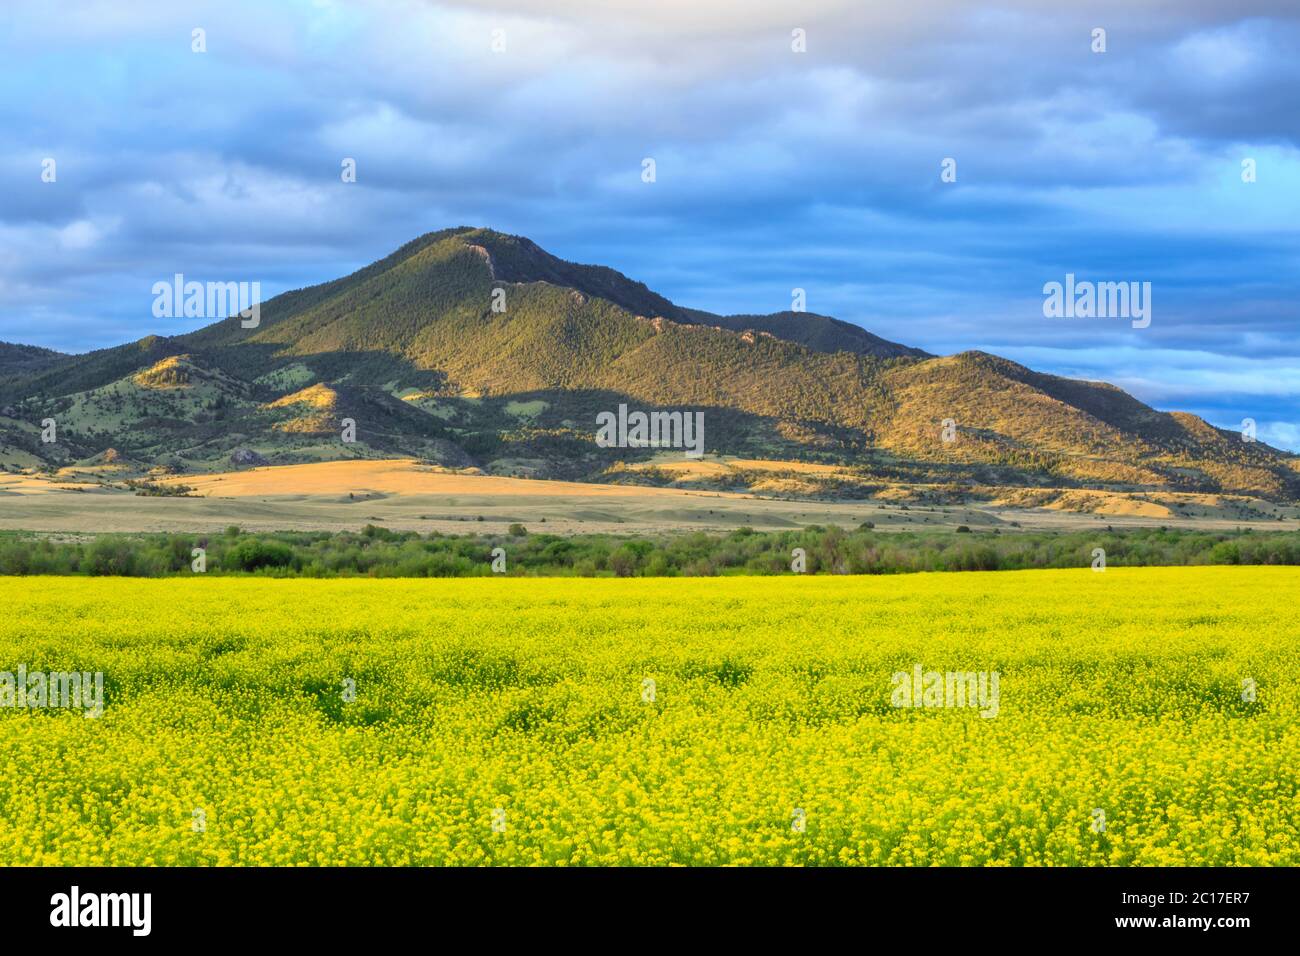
(731, 721)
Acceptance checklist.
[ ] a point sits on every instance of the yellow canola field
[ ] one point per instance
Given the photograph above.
(658, 721)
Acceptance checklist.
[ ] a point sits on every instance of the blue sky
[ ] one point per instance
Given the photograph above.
(775, 169)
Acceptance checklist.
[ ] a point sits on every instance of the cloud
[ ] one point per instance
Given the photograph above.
(776, 169)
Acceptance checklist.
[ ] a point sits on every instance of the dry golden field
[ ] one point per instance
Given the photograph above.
(405, 495)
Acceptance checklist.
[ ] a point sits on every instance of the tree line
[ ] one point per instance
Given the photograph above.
(379, 552)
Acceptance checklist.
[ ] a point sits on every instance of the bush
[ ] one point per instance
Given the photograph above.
(255, 554)
(111, 555)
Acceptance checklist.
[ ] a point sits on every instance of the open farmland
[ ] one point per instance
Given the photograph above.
(406, 495)
(250, 721)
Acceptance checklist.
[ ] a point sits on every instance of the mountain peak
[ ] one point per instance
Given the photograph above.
(425, 356)
(518, 259)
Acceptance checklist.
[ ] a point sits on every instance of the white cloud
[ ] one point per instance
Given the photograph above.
(82, 234)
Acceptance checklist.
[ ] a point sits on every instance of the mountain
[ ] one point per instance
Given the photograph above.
(468, 347)
(17, 359)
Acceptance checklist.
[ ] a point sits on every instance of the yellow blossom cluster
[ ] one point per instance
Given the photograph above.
(1145, 717)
